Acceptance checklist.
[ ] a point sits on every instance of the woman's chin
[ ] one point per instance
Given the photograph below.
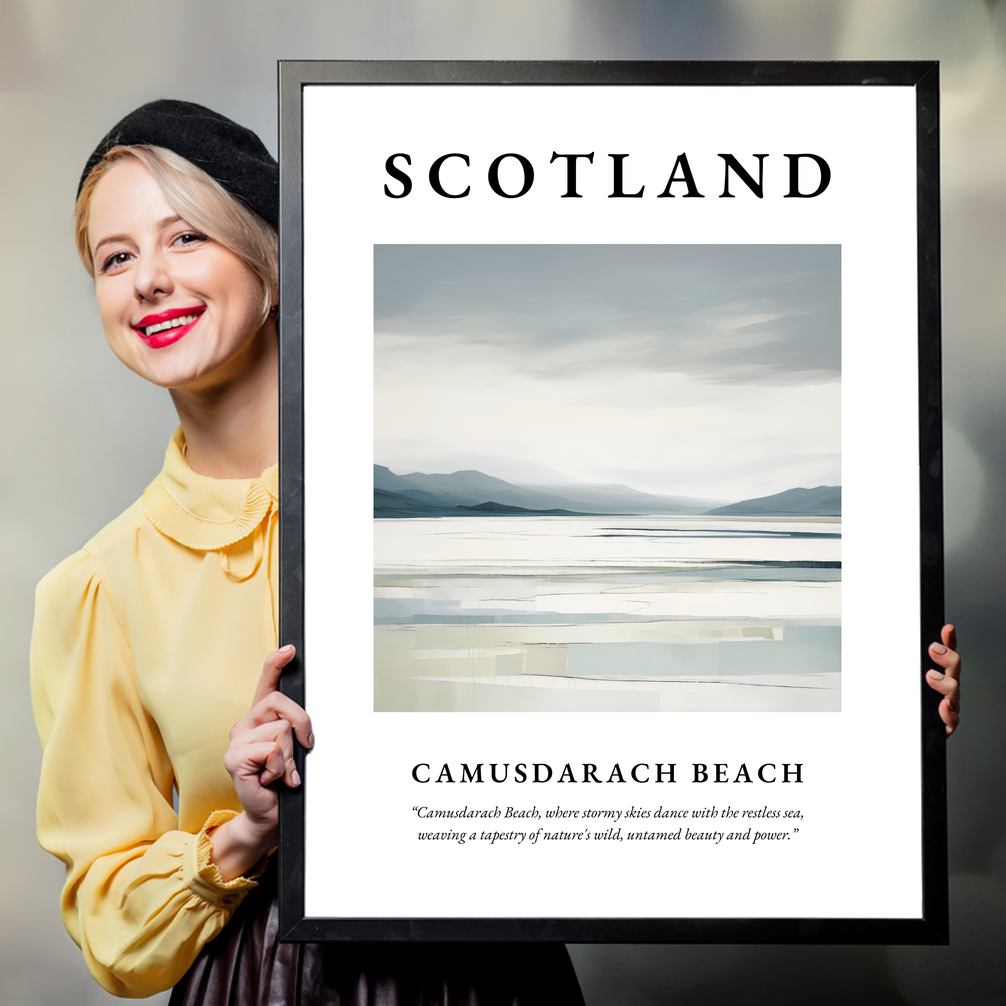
(172, 374)
(197, 365)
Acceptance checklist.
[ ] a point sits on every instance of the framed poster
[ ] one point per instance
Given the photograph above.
(611, 501)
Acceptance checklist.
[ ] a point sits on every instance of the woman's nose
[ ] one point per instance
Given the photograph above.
(152, 277)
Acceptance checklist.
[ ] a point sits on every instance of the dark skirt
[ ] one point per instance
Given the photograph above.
(246, 965)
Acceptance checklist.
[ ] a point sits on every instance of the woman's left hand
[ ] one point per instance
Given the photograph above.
(948, 681)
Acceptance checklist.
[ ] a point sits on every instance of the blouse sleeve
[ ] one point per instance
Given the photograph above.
(141, 898)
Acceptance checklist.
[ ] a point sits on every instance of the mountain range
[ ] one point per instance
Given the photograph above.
(473, 493)
(822, 501)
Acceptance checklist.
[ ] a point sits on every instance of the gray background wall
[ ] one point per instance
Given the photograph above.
(82, 437)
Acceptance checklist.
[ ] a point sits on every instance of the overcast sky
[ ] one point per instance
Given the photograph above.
(705, 370)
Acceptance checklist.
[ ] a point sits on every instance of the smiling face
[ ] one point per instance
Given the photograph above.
(177, 307)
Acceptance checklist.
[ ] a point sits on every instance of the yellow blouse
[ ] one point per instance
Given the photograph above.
(147, 647)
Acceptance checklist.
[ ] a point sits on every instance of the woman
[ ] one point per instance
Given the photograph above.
(149, 642)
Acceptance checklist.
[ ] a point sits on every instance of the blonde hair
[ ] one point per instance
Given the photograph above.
(199, 200)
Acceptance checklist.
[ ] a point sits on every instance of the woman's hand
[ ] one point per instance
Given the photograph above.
(947, 682)
(260, 753)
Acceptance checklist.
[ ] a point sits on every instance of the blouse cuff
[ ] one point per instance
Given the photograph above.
(202, 876)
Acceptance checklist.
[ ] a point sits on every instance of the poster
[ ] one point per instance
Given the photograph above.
(601, 388)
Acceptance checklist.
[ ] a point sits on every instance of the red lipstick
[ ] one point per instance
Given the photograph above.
(166, 327)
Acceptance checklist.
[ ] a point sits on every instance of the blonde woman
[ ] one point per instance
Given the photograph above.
(165, 735)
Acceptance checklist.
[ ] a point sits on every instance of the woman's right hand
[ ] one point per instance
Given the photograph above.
(259, 754)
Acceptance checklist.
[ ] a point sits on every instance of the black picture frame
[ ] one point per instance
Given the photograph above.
(931, 926)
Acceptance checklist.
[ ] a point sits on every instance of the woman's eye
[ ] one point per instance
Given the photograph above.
(190, 238)
(114, 261)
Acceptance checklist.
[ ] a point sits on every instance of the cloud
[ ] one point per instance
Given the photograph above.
(726, 313)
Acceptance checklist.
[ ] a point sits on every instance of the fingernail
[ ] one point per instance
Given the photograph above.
(287, 649)
(936, 675)
(295, 777)
(938, 648)
(310, 740)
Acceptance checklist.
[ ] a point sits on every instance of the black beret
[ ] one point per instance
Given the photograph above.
(231, 154)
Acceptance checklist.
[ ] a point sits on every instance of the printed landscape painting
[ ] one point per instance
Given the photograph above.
(607, 478)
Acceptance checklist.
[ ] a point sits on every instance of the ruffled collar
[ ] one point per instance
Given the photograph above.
(203, 513)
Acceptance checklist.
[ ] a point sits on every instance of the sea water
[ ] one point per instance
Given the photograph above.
(607, 613)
